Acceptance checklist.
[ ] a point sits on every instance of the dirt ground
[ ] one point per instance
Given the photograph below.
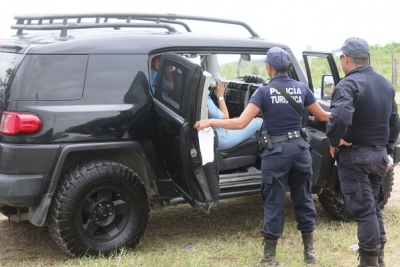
(22, 243)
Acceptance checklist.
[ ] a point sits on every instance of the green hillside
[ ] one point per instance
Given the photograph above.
(381, 61)
(254, 67)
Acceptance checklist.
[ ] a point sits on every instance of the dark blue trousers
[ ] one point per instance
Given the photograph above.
(361, 171)
(287, 164)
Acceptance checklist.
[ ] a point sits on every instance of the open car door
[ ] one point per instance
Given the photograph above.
(322, 74)
(177, 108)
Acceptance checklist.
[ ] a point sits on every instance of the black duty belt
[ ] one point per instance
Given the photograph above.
(288, 136)
(355, 146)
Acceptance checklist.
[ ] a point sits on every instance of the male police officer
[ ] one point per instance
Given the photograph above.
(363, 127)
(288, 161)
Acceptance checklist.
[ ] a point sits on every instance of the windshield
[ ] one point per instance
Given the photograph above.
(237, 66)
(232, 67)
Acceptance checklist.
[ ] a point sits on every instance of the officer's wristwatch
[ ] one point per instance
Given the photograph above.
(221, 98)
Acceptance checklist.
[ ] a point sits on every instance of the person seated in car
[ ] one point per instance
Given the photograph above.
(229, 138)
(168, 81)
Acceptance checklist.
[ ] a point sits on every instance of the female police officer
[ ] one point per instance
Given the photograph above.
(288, 163)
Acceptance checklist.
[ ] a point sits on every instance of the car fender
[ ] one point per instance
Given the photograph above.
(38, 213)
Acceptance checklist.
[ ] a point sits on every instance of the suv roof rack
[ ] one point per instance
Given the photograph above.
(64, 22)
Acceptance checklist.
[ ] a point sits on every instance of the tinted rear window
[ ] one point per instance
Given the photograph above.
(50, 77)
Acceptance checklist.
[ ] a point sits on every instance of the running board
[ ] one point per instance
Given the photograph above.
(232, 185)
(240, 180)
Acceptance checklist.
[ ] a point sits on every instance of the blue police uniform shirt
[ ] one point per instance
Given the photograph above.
(165, 84)
(364, 109)
(278, 114)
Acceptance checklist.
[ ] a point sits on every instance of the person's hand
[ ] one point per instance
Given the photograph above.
(202, 124)
(220, 91)
(332, 149)
(391, 163)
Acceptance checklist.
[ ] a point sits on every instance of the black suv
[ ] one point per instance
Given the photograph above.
(88, 146)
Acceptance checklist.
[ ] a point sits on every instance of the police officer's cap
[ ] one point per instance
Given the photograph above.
(277, 58)
(354, 46)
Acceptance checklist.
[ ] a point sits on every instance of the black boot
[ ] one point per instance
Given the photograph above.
(381, 255)
(309, 252)
(269, 253)
(368, 259)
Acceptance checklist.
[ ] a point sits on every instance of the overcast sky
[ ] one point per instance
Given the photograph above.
(321, 24)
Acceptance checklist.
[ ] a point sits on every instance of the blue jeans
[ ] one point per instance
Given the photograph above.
(230, 138)
(361, 171)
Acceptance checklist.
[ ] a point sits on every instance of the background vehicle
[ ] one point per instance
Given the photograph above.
(87, 147)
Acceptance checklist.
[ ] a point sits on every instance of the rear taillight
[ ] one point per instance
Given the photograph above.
(20, 123)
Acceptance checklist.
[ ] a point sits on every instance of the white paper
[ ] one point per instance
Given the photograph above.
(206, 141)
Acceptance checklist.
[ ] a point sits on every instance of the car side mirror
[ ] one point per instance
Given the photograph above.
(245, 57)
(327, 87)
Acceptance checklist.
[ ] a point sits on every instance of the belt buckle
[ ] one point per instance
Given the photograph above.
(296, 134)
(290, 135)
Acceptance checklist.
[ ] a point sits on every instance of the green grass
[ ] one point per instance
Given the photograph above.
(229, 236)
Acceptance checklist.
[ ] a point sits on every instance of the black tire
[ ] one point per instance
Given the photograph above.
(332, 200)
(387, 187)
(99, 207)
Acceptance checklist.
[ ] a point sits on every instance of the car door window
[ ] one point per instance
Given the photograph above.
(321, 79)
(172, 96)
